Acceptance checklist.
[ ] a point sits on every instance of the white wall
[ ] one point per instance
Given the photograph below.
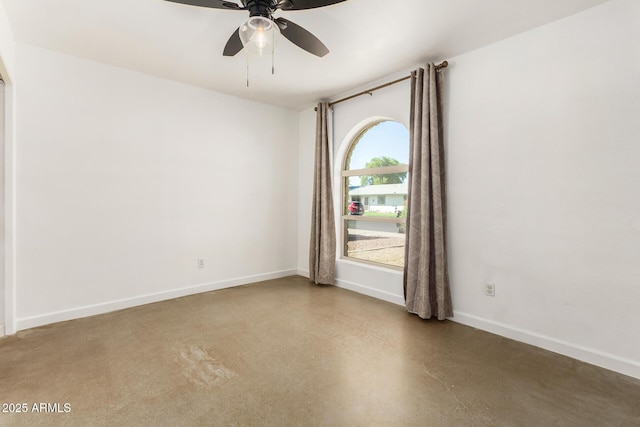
(542, 148)
(543, 185)
(120, 181)
(7, 66)
(7, 45)
(2, 205)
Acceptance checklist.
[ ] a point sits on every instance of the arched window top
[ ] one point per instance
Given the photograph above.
(385, 143)
(374, 194)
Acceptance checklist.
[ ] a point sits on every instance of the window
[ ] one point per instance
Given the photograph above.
(374, 194)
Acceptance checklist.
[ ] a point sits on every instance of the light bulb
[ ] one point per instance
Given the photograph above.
(260, 39)
(258, 35)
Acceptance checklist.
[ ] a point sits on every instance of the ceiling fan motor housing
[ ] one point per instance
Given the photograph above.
(261, 7)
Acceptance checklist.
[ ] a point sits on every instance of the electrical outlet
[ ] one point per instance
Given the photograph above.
(490, 289)
(200, 262)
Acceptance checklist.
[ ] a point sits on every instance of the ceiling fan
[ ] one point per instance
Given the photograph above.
(259, 30)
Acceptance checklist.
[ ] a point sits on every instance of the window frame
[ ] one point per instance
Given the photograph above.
(345, 174)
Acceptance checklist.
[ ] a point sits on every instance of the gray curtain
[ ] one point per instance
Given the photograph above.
(322, 250)
(426, 280)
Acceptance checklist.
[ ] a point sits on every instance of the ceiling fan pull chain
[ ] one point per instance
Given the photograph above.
(273, 53)
(247, 69)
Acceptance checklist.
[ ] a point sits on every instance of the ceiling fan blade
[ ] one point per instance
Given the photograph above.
(234, 44)
(214, 4)
(301, 37)
(304, 4)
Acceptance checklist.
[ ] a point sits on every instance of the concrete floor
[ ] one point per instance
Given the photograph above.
(288, 353)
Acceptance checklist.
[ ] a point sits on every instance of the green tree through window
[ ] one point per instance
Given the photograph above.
(391, 178)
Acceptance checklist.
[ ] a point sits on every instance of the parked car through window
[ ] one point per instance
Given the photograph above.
(355, 208)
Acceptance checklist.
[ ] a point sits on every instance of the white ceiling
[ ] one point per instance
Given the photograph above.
(368, 39)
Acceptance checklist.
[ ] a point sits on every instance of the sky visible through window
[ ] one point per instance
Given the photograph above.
(390, 139)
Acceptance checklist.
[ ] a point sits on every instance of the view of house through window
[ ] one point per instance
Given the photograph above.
(375, 182)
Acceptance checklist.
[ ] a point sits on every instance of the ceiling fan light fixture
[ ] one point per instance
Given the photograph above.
(259, 35)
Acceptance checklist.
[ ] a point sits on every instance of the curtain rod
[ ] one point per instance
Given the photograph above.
(444, 64)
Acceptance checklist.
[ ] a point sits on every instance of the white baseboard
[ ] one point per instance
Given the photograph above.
(92, 310)
(372, 292)
(595, 357)
(1, 331)
(363, 289)
(608, 361)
